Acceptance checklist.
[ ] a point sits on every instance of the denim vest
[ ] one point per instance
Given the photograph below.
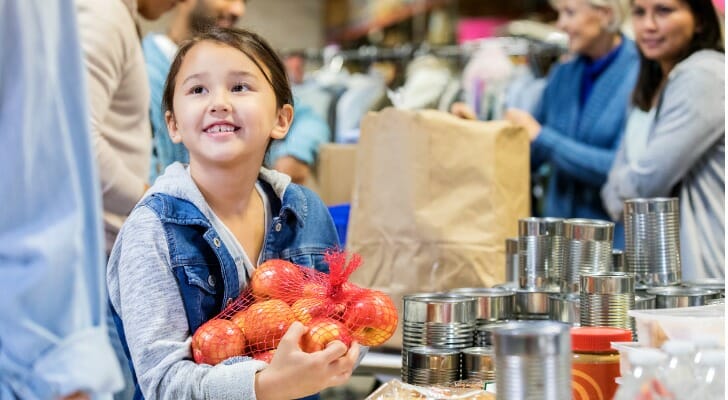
(301, 232)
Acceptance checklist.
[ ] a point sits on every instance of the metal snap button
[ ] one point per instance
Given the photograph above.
(211, 280)
(216, 241)
(278, 227)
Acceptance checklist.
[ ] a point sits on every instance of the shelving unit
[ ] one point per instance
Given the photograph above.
(403, 12)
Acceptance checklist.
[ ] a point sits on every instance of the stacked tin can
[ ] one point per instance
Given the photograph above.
(565, 308)
(676, 296)
(533, 361)
(715, 284)
(540, 252)
(588, 250)
(479, 363)
(540, 260)
(644, 301)
(494, 308)
(618, 261)
(493, 305)
(652, 240)
(512, 268)
(439, 321)
(606, 298)
(432, 366)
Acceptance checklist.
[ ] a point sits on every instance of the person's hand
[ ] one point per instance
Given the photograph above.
(296, 169)
(76, 396)
(292, 373)
(524, 119)
(463, 111)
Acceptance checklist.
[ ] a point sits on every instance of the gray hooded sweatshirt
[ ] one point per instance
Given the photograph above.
(145, 294)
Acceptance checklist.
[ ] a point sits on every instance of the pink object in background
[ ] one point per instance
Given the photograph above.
(720, 6)
(478, 28)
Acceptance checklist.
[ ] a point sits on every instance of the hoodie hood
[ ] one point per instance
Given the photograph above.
(177, 182)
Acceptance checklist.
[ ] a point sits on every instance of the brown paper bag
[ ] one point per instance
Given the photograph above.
(434, 199)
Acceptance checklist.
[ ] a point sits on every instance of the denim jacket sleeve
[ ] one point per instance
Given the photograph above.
(165, 150)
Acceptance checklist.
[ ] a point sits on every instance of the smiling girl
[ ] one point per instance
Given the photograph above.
(190, 246)
(674, 143)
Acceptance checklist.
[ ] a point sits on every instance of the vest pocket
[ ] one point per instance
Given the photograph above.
(198, 286)
(199, 276)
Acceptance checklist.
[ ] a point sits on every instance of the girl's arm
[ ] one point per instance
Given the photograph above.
(145, 293)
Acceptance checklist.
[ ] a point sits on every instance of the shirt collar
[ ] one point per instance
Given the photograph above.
(596, 67)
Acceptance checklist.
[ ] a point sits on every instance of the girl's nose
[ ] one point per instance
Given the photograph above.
(220, 103)
(219, 107)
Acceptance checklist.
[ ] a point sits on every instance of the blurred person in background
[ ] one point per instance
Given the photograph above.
(118, 94)
(190, 18)
(578, 123)
(53, 301)
(674, 145)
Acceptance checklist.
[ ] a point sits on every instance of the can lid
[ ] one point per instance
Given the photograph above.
(597, 338)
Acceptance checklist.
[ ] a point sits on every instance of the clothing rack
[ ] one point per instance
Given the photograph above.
(512, 45)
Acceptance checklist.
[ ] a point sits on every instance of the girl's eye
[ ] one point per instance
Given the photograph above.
(638, 11)
(240, 87)
(197, 90)
(663, 10)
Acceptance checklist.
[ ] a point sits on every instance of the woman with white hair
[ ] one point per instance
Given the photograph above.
(577, 126)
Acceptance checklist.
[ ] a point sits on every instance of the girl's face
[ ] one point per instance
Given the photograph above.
(663, 28)
(584, 24)
(224, 108)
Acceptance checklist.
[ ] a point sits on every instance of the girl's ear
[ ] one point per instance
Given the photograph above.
(172, 127)
(283, 122)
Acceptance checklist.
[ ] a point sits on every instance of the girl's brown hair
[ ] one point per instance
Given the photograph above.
(252, 45)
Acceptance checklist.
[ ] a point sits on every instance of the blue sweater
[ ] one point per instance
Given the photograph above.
(579, 142)
(165, 151)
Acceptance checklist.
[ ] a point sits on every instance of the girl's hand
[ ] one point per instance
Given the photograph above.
(463, 111)
(526, 120)
(294, 373)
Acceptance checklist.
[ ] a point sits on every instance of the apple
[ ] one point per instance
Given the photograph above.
(217, 340)
(323, 331)
(372, 317)
(313, 289)
(264, 324)
(277, 279)
(239, 319)
(307, 308)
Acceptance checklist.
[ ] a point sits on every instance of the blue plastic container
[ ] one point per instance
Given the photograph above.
(340, 215)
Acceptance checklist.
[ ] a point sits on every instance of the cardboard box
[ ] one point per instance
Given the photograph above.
(335, 172)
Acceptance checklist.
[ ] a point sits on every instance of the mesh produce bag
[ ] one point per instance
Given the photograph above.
(280, 293)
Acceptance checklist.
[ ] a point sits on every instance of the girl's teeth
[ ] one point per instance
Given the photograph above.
(221, 128)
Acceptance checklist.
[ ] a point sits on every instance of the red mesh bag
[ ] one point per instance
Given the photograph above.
(280, 293)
